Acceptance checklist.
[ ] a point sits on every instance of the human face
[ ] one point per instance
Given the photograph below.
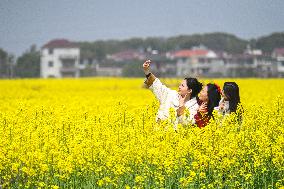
(183, 89)
(203, 95)
(224, 95)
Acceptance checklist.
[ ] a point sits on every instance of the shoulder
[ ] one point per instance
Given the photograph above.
(192, 103)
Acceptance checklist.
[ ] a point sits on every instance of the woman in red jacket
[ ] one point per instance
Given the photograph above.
(209, 98)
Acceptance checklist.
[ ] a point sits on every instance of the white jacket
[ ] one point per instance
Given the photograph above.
(170, 99)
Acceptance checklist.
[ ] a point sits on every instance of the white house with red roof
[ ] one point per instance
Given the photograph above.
(60, 58)
(278, 54)
(197, 62)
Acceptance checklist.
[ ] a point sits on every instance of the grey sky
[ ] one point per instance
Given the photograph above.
(23, 23)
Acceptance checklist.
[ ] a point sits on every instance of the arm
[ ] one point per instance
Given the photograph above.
(181, 108)
(202, 118)
(150, 78)
(160, 90)
(186, 115)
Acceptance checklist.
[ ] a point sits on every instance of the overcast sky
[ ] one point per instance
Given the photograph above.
(27, 22)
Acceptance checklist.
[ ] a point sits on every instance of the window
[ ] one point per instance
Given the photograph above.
(50, 64)
(201, 60)
(68, 62)
(282, 63)
(50, 51)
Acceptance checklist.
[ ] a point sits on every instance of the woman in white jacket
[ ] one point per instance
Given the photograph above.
(184, 98)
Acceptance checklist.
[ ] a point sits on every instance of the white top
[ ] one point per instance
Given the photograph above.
(226, 109)
(170, 99)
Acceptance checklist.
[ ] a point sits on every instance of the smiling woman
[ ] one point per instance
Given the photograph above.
(181, 100)
(209, 98)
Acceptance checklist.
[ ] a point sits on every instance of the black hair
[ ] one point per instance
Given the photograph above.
(231, 90)
(214, 97)
(194, 85)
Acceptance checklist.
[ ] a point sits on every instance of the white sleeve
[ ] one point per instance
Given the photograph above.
(160, 90)
(217, 108)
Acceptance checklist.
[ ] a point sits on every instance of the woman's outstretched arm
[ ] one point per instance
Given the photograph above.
(150, 78)
(154, 84)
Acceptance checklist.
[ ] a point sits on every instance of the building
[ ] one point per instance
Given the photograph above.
(249, 65)
(162, 65)
(127, 55)
(197, 62)
(278, 55)
(203, 62)
(107, 70)
(60, 58)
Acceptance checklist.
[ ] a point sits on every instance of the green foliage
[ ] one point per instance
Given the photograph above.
(88, 72)
(3, 63)
(217, 41)
(268, 43)
(28, 65)
(132, 69)
(6, 64)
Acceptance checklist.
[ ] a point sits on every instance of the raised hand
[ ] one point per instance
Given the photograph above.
(222, 106)
(203, 107)
(146, 66)
(182, 99)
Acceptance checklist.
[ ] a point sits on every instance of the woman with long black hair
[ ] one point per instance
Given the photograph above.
(185, 99)
(231, 98)
(209, 98)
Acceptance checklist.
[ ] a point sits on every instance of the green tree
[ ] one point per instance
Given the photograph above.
(3, 63)
(270, 42)
(217, 41)
(6, 64)
(28, 65)
(133, 69)
(88, 72)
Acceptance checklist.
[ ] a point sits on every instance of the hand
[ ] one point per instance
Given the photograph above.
(222, 106)
(203, 107)
(146, 67)
(181, 99)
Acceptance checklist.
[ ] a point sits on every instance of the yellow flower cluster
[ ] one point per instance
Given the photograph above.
(101, 133)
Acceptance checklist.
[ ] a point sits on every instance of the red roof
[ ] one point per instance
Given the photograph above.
(190, 53)
(279, 51)
(59, 43)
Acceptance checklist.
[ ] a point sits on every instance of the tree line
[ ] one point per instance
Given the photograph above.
(28, 64)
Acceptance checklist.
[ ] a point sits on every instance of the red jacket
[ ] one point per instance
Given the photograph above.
(201, 118)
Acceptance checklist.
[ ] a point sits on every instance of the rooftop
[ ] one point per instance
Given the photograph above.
(59, 43)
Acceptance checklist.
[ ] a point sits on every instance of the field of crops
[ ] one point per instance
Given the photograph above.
(101, 133)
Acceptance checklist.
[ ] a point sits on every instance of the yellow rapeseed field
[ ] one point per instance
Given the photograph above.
(101, 133)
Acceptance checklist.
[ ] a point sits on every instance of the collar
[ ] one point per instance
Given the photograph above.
(191, 102)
